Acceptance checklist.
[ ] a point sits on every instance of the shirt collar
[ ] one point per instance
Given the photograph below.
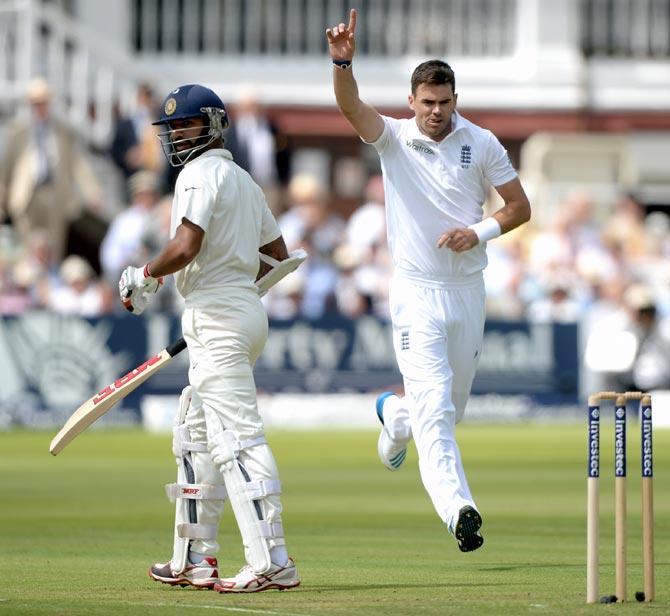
(457, 123)
(214, 152)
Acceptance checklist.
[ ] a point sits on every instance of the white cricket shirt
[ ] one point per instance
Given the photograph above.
(222, 199)
(431, 187)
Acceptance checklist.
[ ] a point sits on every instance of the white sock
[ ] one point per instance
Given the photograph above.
(279, 555)
(195, 557)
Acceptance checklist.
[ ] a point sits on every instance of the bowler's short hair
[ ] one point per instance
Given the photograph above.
(434, 72)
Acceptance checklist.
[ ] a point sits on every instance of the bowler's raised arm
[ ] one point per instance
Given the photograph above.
(342, 46)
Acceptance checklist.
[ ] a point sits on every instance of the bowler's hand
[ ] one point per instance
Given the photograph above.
(341, 41)
(137, 289)
(458, 240)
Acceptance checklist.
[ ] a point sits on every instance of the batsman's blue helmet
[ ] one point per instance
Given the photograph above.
(191, 101)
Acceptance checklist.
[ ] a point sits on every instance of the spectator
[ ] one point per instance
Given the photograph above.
(79, 292)
(507, 282)
(283, 301)
(558, 305)
(257, 145)
(350, 300)
(626, 228)
(367, 225)
(309, 216)
(651, 366)
(135, 145)
(43, 173)
(551, 248)
(363, 258)
(35, 271)
(320, 280)
(156, 234)
(124, 242)
(17, 287)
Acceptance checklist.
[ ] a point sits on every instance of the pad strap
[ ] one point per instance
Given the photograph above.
(195, 491)
(248, 443)
(197, 531)
(181, 442)
(271, 530)
(261, 488)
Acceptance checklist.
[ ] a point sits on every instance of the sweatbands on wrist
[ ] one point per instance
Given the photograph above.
(343, 64)
(486, 229)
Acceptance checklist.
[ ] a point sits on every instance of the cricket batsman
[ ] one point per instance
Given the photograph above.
(222, 232)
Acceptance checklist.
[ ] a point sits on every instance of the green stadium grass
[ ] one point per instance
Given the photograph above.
(77, 532)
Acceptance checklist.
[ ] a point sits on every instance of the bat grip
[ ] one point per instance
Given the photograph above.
(176, 347)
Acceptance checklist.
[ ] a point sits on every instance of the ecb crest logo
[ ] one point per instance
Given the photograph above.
(466, 156)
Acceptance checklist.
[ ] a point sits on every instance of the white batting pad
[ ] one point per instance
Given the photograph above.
(194, 469)
(244, 495)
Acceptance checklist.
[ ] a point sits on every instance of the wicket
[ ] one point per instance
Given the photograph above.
(620, 514)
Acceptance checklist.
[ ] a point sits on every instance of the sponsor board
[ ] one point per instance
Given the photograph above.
(53, 363)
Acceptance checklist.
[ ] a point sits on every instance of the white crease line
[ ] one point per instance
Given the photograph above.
(217, 607)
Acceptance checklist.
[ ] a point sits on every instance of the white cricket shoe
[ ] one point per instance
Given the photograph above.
(391, 452)
(201, 575)
(246, 580)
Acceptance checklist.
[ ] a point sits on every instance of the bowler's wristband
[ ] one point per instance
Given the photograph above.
(486, 229)
(342, 64)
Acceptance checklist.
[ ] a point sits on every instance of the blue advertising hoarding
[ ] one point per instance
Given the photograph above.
(52, 363)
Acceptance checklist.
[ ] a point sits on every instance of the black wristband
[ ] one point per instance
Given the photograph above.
(343, 64)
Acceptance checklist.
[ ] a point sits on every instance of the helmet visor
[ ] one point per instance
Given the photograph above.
(180, 144)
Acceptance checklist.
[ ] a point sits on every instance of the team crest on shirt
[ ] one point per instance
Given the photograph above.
(466, 156)
(417, 146)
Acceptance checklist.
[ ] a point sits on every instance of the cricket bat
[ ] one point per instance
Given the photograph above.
(96, 406)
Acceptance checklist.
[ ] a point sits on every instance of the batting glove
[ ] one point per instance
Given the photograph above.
(137, 288)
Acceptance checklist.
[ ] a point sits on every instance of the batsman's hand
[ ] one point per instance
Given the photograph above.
(137, 289)
(341, 39)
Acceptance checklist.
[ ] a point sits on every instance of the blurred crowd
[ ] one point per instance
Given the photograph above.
(62, 248)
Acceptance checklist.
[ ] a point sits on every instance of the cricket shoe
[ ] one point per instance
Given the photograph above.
(391, 453)
(201, 575)
(246, 580)
(467, 528)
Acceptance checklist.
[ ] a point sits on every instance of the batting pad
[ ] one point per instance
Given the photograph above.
(245, 496)
(196, 489)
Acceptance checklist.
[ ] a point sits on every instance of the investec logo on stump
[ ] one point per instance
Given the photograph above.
(647, 464)
(594, 442)
(620, 442)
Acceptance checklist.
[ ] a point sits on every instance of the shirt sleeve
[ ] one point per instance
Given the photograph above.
(194, 198)
(498, 167)
(390, 131)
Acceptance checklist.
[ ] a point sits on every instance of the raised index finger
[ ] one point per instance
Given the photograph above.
(352, 21)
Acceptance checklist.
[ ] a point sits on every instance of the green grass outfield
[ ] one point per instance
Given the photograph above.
(77, 532)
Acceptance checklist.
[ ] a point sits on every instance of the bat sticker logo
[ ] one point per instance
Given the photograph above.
(124, 380)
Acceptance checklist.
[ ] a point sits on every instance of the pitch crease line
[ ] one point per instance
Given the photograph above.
(218, 607)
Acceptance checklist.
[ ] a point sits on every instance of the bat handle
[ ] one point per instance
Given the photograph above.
(176, 347)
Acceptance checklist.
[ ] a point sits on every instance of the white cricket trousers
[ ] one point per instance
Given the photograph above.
(224, 342)
(437, 337)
